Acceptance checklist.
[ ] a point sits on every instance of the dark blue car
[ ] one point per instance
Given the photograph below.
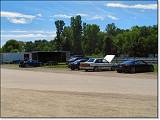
(72, 59)
(134, 66)
(30, 63)
(75, 65)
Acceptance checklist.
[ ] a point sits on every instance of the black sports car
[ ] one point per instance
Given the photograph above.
(134, 66)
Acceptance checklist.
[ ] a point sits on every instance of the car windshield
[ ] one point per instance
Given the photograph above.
(72, 59)
(128, 62)
(91, 60)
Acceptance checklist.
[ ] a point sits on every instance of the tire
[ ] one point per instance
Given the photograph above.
(95, 69)
(132, 70)
(86, 70)
(78, 68)
(112, 69)
(72, 68)
(119, 71)
(152, 69)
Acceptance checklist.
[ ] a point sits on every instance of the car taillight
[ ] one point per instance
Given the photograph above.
(87, 65)
(84, 65)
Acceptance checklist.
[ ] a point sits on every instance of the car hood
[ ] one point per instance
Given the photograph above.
(109, 58)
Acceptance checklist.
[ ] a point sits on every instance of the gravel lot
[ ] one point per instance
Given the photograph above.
(41, 92)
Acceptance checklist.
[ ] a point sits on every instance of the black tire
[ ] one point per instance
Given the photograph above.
(95, 69)
(72, 68)
(78, 68)
(152, 69)
(132, 70)
(26, 65)
(112, 69)
(86, 70)
(119, 71)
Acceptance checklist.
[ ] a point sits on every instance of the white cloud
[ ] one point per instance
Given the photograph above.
(14, 31)
(13, 36)
(97, 17)
(39, 15)
(27, 35)
(89, 17)
(17, 18)
(25, 31)
(62, 16)
(69, 16)
(82, 14)
(102, 17)
(136, 6)
(112, 17)
(15, 14)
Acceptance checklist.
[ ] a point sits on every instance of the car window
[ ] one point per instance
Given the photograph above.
(128, 62)
(140, 62)
(91, 60)
(99, 61)
(105, 61)
(83, 60)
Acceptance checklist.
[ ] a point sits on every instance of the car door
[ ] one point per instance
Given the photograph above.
(99, 63)
(140, 66)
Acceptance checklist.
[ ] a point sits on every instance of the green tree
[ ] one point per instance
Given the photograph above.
(13, 46)
(90, 39)
(59, 29)
(67, 39)
(76, 34)
(1, 50)
(29, 46)
(111, 29)
(107, 46)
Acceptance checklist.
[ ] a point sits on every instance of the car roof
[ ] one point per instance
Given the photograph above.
(95, 58)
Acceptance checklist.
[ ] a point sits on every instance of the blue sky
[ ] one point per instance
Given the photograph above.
(32, 20)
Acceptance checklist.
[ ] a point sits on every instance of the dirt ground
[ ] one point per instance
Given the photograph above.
(64, 93)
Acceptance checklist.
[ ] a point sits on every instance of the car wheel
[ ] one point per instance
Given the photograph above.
(95, 69)
(86, 70)
(112, 68)
(78, 68)
(132, 70)
(119, 71)
(152, 68)
(72, 68)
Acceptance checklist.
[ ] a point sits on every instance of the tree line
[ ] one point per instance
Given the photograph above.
(87, 39)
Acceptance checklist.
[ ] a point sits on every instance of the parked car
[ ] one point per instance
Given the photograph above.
(72, 59)
(76, 64)
(97, 64)
(134, 66)
(30, 63)
(76, 56)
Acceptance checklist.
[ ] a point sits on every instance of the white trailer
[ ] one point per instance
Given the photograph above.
(14, 57)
